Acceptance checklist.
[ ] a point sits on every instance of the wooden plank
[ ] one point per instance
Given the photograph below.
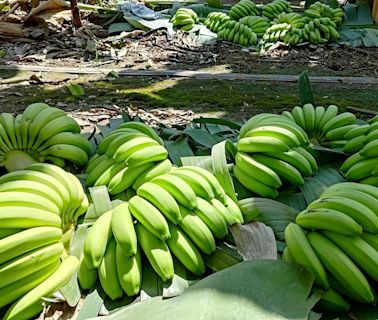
(194, 74)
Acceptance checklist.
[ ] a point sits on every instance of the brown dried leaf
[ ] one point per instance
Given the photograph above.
(254, 241)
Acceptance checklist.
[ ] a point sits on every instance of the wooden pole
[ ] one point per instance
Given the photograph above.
(76, 20)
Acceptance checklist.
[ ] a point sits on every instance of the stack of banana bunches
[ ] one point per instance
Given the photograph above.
(167, 213)
(336, 238)
(166, 216)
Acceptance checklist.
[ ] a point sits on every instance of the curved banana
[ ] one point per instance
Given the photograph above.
(157, 253)
(150, 217)
(327, 219)
(158, 169)
(123, 229)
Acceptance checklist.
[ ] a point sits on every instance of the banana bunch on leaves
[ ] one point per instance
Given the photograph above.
(127, 157)
(243, 8)
(322, 23)
(185, 19)
(238, 33)
(275, 8)
(320, 31)
(336, 238)
(362, 166)
(321, 10)
(272, 150)
(323, 125)
(215, 20)
(179, 214)
(41, 134)
(39, 207)
(258, 25)
(286, 27)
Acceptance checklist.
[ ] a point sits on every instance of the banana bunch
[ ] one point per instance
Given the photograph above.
(336, 238)
(362, 166)
(257, 24)
(274, 8)
(42, 193)
(185, 19)
(242, 9)
(238, 33)
(323, 125)
(128, 156)
(179, 213)
(38, 207)
(286, 27)
(321, 10)
(41, 134)
(215, 20)
(320, 31)
(271, 148)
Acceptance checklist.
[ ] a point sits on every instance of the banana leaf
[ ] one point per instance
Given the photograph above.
(91, 306)
(205, 162)
(305, 90)
(315, 186)
(249, 290)
(177, 149)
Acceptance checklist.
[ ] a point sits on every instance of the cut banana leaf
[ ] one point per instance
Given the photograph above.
(315, 186)
(223, 257)
(254, 241)
(220, 168)
(203, 138)
(294, 200)
(100, 199)
(305, 90)
(236, 293)
(177, 149)
(271, 212)
(222, 122)
(91, 306)
(205, 162)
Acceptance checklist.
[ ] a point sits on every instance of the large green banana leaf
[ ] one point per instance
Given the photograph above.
(262, 289)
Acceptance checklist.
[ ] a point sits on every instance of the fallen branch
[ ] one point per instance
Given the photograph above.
(11, 30)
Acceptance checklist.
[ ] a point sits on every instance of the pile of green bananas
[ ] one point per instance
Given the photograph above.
(127, 157)
(270, 148)
(35, 204)
(44, 188)
(185, 19)
(257, 24)
(275, 8)
(323, 125)
(215, 20)
(320, 31)
(321, 10)
(242, 9)
(286, 27)
(178, 213)
(41, 134)
(336, 238)
(362, 166)
(322, 22)
(238, 33)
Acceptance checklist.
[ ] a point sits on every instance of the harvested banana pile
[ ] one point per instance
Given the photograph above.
(39, 207)
(242, 9)
(272, 149)
(41, 134)
(275, 8)
(258, 25)
(185, 19)
(336, 238)
(286, 27)
(238, 33)
(322, 23)
(323, 125)
(215, 20)
(362, 166)
(126, 156)
(179, 213)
